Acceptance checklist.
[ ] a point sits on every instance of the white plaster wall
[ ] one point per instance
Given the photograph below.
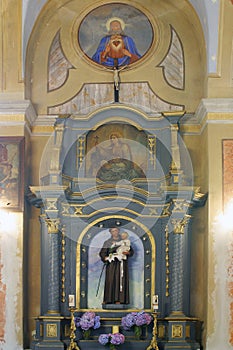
(11, 271)
(220, 235)
(220, 299)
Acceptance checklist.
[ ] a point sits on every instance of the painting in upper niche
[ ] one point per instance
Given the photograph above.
(116, 152)
(115, 35)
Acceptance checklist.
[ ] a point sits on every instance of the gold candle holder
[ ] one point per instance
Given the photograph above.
(153, 344)
(73, 344)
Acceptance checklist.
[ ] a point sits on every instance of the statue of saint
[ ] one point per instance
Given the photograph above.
(115, 253)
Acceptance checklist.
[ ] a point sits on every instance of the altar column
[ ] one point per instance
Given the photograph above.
(48, 325)
(53, 266)
(179, 325)
(177, 271)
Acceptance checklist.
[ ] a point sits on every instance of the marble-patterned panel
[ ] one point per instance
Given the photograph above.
(174, 63)
(93, 96)
(58, 65)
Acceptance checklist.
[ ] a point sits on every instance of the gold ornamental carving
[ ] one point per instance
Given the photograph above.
(51, 204)
(152, 150)
(167, 261)
(153, 344)
(180, 224)
(53, 225)
(73, 344)
(63, 265)
(177, 331)
(51, 330)
(78, 210)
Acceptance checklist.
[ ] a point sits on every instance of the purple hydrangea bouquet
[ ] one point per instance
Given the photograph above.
(136, 320)
(87, 321)
(111, 339)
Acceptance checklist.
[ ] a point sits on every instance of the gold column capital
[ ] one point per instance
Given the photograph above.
(180, 224)
(53, 225)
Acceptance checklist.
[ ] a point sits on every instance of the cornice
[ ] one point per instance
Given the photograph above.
(20, 112)
(209, 111)
(44, 125)
(16, 112)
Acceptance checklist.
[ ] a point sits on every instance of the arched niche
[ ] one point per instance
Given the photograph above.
(142, 265)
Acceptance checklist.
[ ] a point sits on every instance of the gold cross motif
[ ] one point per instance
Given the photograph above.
(78, 210)
(153, 211)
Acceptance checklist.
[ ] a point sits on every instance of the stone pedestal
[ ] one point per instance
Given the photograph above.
(48, 333)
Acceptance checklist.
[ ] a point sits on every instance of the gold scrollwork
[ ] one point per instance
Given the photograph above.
(198, 194)
(53, 225)
(153, 344)
(152, 150)
(73, 344)
(180, 224)
(51, 330)
(80, 150)
(177, 331)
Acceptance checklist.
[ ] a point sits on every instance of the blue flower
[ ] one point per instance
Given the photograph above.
(87, 321)
(96, 322)
(111, 339)
(103, 339)
(135, 319)
(117, 339)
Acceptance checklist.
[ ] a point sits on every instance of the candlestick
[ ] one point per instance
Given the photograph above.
(73, 345)
(153, 344)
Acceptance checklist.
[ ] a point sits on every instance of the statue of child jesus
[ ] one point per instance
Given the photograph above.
(123, 246)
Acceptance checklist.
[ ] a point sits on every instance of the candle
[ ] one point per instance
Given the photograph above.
(155, 302)
(71, 300)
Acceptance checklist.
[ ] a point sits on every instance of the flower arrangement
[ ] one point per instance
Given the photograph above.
(87, 321)
(111, 339)
(136, 320)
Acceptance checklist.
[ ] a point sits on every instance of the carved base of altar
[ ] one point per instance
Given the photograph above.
(179, 333)
(129, 345)
(45, 345)
(179, 346)
(48, 333)
(172, 333)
